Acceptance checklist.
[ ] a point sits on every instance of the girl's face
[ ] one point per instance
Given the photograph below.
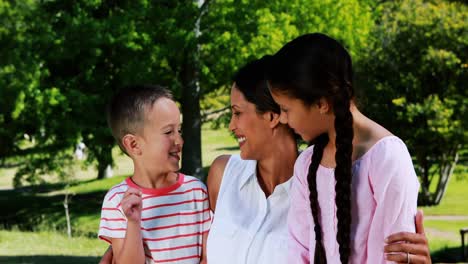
(309, 121)
(250, 128)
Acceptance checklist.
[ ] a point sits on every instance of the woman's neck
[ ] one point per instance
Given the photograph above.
(278, 166)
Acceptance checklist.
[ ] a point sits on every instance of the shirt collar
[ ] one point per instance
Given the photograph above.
(249, 172)
(286, 186)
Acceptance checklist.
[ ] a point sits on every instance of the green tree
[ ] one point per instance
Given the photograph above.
(18, 76)
(85, 49)
(414, 77)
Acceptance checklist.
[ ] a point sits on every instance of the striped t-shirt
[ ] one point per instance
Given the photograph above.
(173, 219)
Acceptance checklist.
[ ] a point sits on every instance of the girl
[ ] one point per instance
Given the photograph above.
(357, 184)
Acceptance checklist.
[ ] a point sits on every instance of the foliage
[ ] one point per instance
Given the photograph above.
(414, 77)
(251, 29)
(78, 53)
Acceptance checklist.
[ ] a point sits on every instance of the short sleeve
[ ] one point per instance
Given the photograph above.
(206, 210)
(113, 223)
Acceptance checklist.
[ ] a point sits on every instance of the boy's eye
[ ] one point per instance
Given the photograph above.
(284, 110)
(168, 132)
(236, 113)
(180, 131)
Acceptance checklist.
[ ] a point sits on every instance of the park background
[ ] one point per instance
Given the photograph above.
(60, 61)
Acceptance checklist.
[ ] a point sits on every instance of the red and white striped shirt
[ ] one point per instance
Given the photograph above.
(173, 219)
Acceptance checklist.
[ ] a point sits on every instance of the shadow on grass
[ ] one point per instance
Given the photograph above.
(48, 259)
(228, 148)
(448, 255)
(29, 212)
(48, 187)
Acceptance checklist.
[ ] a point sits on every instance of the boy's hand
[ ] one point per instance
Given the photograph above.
(132, 205)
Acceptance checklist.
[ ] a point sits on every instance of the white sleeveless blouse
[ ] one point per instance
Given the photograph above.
(247, 227)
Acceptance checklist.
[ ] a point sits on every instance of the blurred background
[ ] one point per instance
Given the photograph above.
(60, 61)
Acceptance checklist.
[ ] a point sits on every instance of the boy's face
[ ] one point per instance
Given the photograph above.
(161, 141)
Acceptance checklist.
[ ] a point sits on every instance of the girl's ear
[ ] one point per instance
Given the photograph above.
(131, 145)
(324, 106)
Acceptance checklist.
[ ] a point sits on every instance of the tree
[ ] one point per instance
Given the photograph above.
(414, 78)
(86, 49)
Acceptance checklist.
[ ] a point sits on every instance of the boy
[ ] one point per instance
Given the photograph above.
(158, 215)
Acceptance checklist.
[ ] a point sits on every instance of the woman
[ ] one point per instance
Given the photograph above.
(356, 185)
(249, 193)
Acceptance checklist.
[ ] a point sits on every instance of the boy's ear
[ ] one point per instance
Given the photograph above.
(130, 143)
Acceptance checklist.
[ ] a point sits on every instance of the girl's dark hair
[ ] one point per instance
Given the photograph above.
(309, 68)
(251, 82)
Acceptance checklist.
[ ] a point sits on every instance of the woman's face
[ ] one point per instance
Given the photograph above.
(251, 129)
(309, 121)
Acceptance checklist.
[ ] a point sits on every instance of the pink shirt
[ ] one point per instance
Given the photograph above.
(384, 198)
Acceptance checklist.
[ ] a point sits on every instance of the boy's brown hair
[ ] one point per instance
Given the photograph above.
(126, 112)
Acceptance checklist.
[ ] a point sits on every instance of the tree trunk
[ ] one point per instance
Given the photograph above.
(67, 214)
(191, 123)
(105, 160)
(425, 197)
(446, 170)
(190, 101)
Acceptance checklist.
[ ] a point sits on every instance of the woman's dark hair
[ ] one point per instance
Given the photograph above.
(251, 82)
(311, 67)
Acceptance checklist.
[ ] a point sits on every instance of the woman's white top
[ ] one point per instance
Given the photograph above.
(248, 228)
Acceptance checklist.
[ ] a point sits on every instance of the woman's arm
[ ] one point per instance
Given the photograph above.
(415, 244)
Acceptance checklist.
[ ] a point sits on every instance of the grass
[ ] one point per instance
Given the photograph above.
(455, 201)
(48, 247)
(444, 239)
(215, 143)
(452, 226)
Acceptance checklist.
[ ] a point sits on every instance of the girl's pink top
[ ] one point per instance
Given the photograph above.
(384, 196)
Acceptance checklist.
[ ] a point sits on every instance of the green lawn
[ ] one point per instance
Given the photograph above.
(455, 201)
(48, 247)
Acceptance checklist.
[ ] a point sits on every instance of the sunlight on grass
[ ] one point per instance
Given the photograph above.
(455, 201)
(216, 143)
(47, 243)
(446, 225)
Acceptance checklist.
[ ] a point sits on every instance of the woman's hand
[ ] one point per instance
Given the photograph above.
(406, 247)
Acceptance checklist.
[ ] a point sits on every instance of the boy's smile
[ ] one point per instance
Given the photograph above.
(161, 141)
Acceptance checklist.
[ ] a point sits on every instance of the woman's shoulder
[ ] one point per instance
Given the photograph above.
(215, 177)
(218, 165)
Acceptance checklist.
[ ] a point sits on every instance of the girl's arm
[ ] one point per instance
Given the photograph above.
(395, 191)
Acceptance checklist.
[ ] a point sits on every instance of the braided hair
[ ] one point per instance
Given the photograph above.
(309, 68)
